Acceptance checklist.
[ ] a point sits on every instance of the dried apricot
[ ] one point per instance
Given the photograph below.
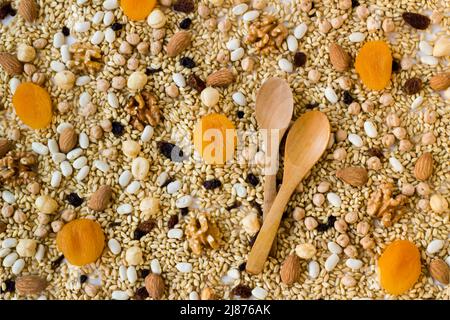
(215, 138)
(33, 105)
(399, 267)
(81, 241)
(374, 64)
(137, 10)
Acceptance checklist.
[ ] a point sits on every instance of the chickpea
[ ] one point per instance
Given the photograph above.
(388, 140)
(351, 217)
(224, 26)
(428, 138)
(343, 240)
(354, 108)
(374, 163)
(314, 76)
(405, 145)
(392, 120)
(298, 214)
(362, 228)
(400, 133)
(423, 204)
(340, 225)
(367, 106)
(367, 243)
(386, 99)
(323, 187)
(430, 116)
(351, 251)
(318, 199)
(408, 189)
(339, 154)
(423, 189)
(311, 223)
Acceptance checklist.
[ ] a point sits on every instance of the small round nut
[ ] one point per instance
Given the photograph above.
(430, 116)
(20, 216)
(25, 53)
(210, 96)
(311, 223)
(341, 135)
(388, 25)
(137, 80)
(157, 19)
(133, 256)
(305, 251)
(223, 57)
(131, 148)
(7, 211)
(314, 76)
(43, 218)
(362, 12)
(68, 215)
(96, 132)
(132, 64)
(46, 204)
(438, 203)
(172, 90)
(323, 187)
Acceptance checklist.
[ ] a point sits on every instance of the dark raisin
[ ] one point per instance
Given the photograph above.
(322, 227)
(173, 221)
(416, 20)
(235, 205)
(117, 128)
(187, 62)
(196, 83)
(2, 227)
(74, 199)
(144, 228)
(141, 294)
(65, 31)
(375, 152)
(212, 184)
(355, 3)
(311, 105)
(184, 211)
(185, 23)
(10, 285)
(242, 266)
(412, 86)
(116, 26)
(171, 151)
(114, 224)
(257, 206)
(5, 10)
(240, 114)
(144, 272)
(83, 278)
(299, 59)
(395, 66)
(242, 291)
(150, 71)
(347, 98)
(186, 6)
(252, 179)
(56, 263)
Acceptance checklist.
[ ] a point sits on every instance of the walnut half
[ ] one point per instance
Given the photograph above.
(144, 109)
(266, 34)
(382, 205)
(85, 58)
(202, 232)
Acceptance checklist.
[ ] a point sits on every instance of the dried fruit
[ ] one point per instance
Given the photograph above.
(68, 139)
(440, 271)
(144, 228)
(81, 241)
(137, 10)
(187, 62)
(212, 184)
(424, 166)
(355, 176)
(173, 221)
(30, 285)
(74, 199)
(28, 9)
(299, 59)
(221, 78)
(195, 82)
(416, 20)
(186, 6)
(155, 286)
(5, 146)
(242, 291)
(179, 42)
(10, 63)
(339, 58)
(6, 9)
(412, 86)
(171, 151)
(440, 81)
(2, 227)
(374, 64)
(215, 138)
(399, 267)
(33, 105)
(100, 199)
(141, 294)
(290, 270)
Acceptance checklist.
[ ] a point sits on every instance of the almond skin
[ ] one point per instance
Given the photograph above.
(339, 58)
(290, 270)
(440, 81)
(221, 78)
(68, 140)
(100, 199)
(424, 167)
(29, 285)
(354, 176)
(155, 286)
(10, 63)
(178, 43)
(28, 9)
(439, 270)
(5, 146)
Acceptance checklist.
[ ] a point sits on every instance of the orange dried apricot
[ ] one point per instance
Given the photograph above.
(33, 105)
(215, 138)
(81, 241)
(399, 267)
(374, 64)
(137, 10)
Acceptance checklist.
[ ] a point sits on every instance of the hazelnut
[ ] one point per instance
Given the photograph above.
(158, 34)
(428, 138)
(46, 204)
(14, 134)
(406, 63)
(223, 57)
(90, 290)
(311, 223)
(298, 214)
(259, 4)
(119, 59)
(137, 80)
(408, 189)
(211, 24)
(438, 203)
(102, 85)
(41, 231)
(351, 217)
(305, 251)
(318, 199)
(20, 216)
(40, 43)
(34, 188)
(25, 53)
(29, 69)
(337, 22)
(340, 225)
(339, 154)
(96, 132)
(341, 135)
(306, 5)
(7, 211)
(251, 224)
(133, 256)
(65, 80)
(343, 240)
(131, 148)
(38, 78)
(106, 125)
(210, 97)
(89, 110)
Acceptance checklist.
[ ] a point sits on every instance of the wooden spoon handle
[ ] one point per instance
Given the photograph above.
(260, 250)
(270, 193)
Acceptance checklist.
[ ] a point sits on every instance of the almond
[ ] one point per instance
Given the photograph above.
(339, 58)
(28, 9)
(68, 140)
(29, 285)
(220, 78)
(154, 284)
(440, 81)
(439, 270)
(5, 146)
(10, 63)
(100, 199)
(178, 43)
(290, 270)
(424, 167)
(354, 176)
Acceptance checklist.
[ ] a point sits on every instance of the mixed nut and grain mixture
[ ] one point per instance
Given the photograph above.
(103, 102)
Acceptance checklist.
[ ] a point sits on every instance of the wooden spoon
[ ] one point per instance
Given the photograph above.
(274, 108)
(306, 142)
